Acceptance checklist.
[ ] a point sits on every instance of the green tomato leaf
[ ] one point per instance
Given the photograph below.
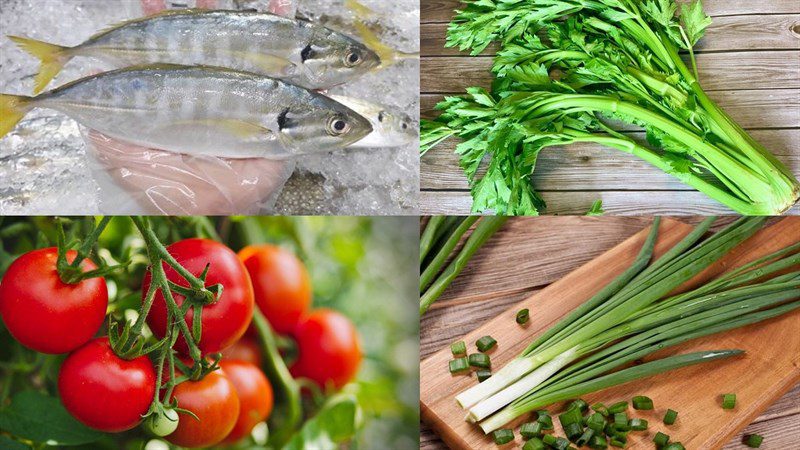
(694, 21)
(335, 423)
(42, 418)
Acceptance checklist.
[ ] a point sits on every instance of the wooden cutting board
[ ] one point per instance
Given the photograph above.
(770, 367)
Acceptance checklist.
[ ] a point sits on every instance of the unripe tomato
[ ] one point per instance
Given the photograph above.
(214, 401)
(281, 284)
(328, 348)
(45, 314)
(245, 349)
(225, 320)
(255, 396)
(104, 391)
(163, 424)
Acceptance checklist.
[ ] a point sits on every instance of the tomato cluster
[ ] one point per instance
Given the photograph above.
(112, 393)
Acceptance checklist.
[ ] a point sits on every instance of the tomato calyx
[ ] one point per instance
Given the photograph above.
(72, 272)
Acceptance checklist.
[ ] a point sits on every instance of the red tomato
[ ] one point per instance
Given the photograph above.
(245, 349)
(281, 284)
(45, 314)
(328, 348)
(104, 391)
(214, 401)
(224, 321)
(255, 396)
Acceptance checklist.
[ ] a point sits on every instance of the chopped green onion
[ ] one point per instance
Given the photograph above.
(561, 444)
(661, 439)
(621, 422)
(485, 343)
(617, 442)
(549, 440)
(479, 360)
(585, 438)
(573, 431)
(596, 422)
(728, 401)
(600, 408)
(523, 315)
(618, 407)
(580, 405)
(675, 446)
(545, 419)
(598, 442)
(483, 374)
(670, 416)
(754, 441)
(459, 365)
(458, 348)
(570, 416)
(534, 444)
(642, 403)
(638, 424)
(530, 430)
(503, 436)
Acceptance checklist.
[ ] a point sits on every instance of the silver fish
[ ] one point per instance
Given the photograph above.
(389, 128)
(200, 110)
(296, 51)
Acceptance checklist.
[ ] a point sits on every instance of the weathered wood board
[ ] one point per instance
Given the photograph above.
(759, 379)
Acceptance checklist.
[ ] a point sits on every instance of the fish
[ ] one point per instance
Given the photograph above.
(200, 110)
(297, 51)
(389, 128)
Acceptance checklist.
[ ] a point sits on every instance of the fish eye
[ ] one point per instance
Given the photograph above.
(337, 126)
(352, 59)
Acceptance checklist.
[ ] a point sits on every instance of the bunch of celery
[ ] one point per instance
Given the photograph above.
(633, 316)
(567, 66)
(437, 246)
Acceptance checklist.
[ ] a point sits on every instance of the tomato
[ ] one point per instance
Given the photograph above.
(163, 424)
(255, 396)
(281, 284)
(104, 391)
(214, 401)
(45, 314)
(224, 321)
(245, 349)
(328, 348)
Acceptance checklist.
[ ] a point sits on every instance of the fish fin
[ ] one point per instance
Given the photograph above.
(387, 54)
(52, 56)
(360, 10)
(12, 109)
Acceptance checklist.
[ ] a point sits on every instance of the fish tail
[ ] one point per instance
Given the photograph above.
(52, 56)
(12, 109)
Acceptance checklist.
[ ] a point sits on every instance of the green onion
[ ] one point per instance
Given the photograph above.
(534, 444)
(480, 360)
(503, 436)
(670, 417)
(618, 407)
(661, 439)
(674, 446)
(621, 422)
(641, 402)
(600, 408)
(596, 423)
(483, 375)
(458, 348)
(598, 442)
(522, 316)
(585, 438)
(754, 441)
(459, 365)
(459, 227)
(561, 444)
(618, 442)
(728, 401)
(531, 430)
(580, 405)
(549, 440)
(545, 419)
(570, 416)
(573, 431)
(637, 424)
(485, 343)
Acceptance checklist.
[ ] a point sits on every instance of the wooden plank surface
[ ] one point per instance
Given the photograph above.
(529, 254)
(749, 63)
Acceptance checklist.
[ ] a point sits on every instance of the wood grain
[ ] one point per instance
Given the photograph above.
(442, 10)
(780, 424)
(749, 63)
